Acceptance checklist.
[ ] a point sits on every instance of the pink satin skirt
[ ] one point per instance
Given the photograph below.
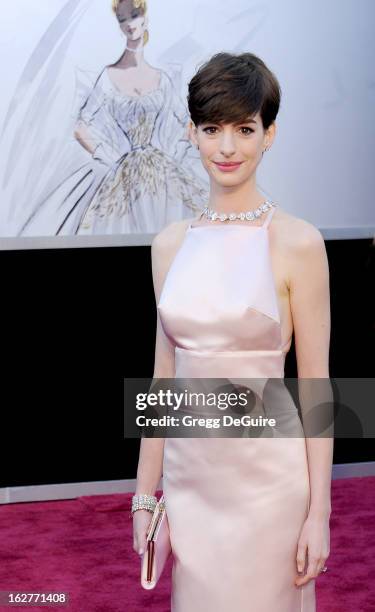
(236, 506)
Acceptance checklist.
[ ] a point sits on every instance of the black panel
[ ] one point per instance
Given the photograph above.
(77, 321)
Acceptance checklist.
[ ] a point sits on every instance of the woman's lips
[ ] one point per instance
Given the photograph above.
(228, 167)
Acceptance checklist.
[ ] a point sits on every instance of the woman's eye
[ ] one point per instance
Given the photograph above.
(247, 128)
(244, 127)
(134, 15)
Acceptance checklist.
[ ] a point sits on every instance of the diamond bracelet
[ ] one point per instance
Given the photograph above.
(143, 502)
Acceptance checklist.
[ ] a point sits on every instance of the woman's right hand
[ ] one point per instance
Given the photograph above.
(141, 521)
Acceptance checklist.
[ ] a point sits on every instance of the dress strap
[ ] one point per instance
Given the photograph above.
(269, 217)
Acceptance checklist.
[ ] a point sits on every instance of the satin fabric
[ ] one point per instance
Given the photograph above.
(235, 506)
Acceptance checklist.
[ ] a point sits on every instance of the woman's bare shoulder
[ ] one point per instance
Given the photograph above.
(294, 231)
(169, 239)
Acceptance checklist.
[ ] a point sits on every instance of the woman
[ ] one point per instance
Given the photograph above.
(140, 175)
(148, 187)
(249, 518)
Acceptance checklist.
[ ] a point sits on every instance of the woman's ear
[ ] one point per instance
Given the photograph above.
(192, 133)
(270, 135)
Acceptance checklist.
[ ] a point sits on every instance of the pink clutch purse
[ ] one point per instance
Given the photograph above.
(158, 547)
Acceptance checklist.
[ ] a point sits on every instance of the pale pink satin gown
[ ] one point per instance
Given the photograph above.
(235, 506)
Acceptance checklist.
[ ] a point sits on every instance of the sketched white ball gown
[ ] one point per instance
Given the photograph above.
(143, 175)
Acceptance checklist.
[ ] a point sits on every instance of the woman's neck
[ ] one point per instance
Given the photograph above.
(236, 201)
(132, 56)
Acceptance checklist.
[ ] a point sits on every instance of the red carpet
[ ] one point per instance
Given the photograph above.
(84, 547)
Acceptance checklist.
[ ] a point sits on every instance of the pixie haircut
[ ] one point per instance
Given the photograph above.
(231, 89)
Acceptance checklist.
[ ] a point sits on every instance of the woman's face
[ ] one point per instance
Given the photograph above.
(131, 20)
(228, 142)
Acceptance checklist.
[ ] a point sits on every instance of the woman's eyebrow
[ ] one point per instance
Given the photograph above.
(245, 121)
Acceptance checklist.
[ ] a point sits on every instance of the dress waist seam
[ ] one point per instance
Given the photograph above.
(234, 352)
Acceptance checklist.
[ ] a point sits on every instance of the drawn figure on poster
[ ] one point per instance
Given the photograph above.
(148, 186)
(140, 174)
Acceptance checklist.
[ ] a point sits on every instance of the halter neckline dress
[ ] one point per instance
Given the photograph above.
(236, 506)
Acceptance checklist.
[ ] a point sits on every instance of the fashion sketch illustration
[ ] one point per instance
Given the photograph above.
(127, 165)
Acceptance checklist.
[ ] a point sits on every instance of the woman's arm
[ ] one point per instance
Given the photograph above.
(150, 463)
(96, 130)
(310, 307)
(88, 114)
(85, 139)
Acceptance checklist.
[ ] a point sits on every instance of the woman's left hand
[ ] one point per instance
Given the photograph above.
(313, 548)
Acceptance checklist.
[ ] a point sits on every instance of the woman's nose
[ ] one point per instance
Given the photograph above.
(227, 145)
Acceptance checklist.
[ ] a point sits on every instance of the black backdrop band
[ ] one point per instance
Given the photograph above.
(75, 322)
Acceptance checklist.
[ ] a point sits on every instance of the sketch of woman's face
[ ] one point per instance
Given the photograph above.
(131, 20)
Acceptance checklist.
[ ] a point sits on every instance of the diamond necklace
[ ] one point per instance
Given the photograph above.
(250, 215)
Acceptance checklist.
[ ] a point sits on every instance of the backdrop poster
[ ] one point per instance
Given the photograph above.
(95, 144)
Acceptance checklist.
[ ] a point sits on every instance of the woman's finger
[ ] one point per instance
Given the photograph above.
(141, 522)
(301, 580)
(313, 567)
(321, 564)
(139, 543)
(312, 572)
(301, 557)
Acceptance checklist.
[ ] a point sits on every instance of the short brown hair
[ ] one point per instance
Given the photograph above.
(231, 88)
